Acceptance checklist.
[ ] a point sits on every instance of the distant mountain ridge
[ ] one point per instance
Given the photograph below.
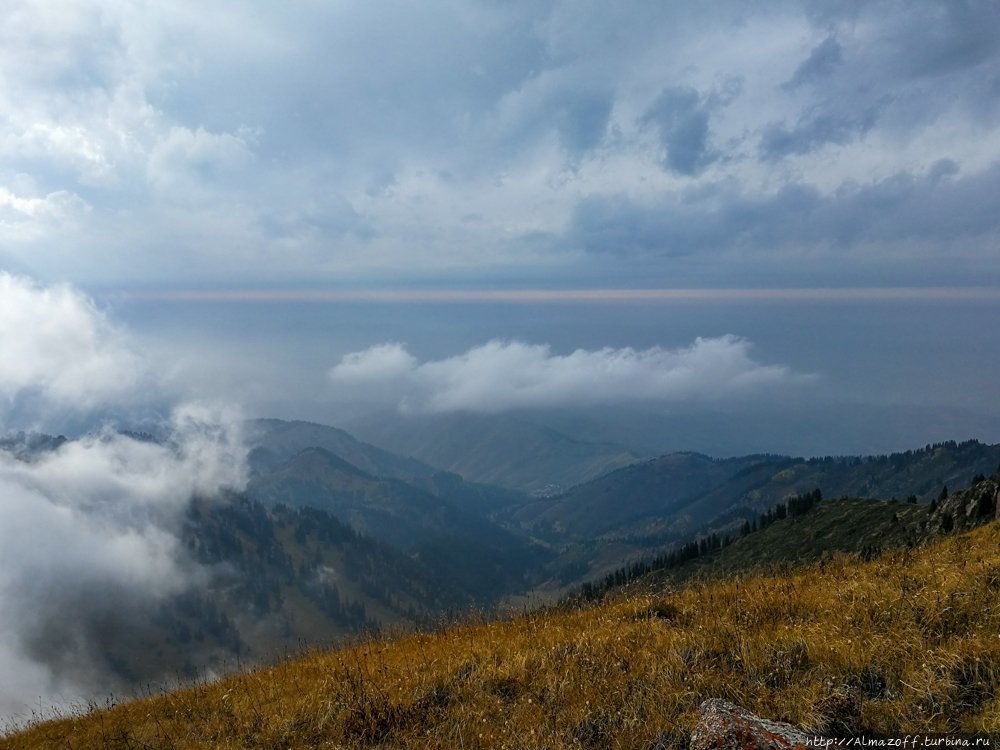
(698, 487)
(274, 442)
(595, 526)
(504, 450)
(465, 545)
(546, 451)
(667, 500)
(419, 510)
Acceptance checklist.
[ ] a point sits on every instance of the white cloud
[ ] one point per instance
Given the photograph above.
(60, 349)
(187, 161)
(375, 364)
(25, 218)
(503, 375)
(92, 527)
(52, 204)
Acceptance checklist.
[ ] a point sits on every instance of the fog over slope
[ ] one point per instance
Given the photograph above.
(88, 527)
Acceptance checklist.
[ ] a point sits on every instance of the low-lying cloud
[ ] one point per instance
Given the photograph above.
(87, 532)
(89, 528)
(60, 350)
(504, 375)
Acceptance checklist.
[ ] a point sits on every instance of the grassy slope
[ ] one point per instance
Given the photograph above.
(909, 639)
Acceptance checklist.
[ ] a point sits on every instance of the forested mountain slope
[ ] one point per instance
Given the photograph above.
(665, 502)
(677, 493)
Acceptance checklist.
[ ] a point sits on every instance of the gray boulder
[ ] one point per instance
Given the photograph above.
(726, 726)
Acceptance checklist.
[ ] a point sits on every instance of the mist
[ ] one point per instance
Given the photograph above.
(89, 527)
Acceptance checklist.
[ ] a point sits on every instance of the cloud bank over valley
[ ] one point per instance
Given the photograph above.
(504, 375)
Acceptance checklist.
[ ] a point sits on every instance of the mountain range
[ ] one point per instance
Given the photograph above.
(333, 535)
(668, 500)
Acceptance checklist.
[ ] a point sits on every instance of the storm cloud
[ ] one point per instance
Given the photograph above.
(353, 143)
(859, 232)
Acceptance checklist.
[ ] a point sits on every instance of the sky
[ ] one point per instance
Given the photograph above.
(478, 144)
(259, 197)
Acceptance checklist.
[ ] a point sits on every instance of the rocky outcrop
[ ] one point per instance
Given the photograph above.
(968, 508)
(726, 726)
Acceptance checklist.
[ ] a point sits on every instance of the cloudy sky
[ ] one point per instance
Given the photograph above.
(553, 143)
(264, 196)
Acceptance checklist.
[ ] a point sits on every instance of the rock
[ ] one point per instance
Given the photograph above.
(968, 508)
(726, 726)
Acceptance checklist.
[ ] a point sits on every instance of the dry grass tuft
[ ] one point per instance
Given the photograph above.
(908, 641)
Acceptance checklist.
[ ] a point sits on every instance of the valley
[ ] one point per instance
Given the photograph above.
(903, 639)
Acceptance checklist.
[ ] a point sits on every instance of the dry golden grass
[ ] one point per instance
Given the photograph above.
(910, 641)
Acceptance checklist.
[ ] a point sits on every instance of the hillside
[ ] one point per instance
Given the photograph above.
(275, 441)
(803, 529)
(776, 540)
(591, 529)
(680, 491)
(666, 501)
(289, 574)
(503, 450)
(847, 525)
(389, 509)
(456, 542)
(661, 488)
(260, 582)
(314, 550)
(903, 642)
(319, 549)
